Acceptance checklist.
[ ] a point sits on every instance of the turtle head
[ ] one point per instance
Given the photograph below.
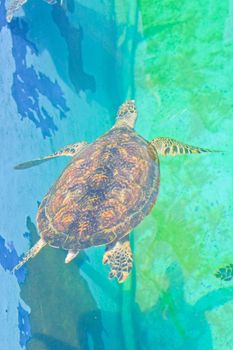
(127, 114)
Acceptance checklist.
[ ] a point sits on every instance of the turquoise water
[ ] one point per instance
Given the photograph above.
(64, 71)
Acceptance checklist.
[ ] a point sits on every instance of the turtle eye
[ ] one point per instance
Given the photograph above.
(122, 114)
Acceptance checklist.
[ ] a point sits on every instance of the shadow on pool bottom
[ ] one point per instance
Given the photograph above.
(65, 316)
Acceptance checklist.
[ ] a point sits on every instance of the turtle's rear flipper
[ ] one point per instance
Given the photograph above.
(170, 147)
(70, 151)
(31, 253)
(119, 256)
(71, 255)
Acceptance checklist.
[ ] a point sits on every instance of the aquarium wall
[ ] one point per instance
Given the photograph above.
(64, 71)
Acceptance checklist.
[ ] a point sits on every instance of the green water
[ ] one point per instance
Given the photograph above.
(175, 58)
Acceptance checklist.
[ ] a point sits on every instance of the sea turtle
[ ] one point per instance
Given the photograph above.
(16, 4)
(225, 273)
(105, 191)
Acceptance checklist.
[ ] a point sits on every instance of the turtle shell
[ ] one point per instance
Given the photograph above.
(103, 193)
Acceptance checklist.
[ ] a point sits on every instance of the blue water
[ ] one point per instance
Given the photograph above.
(66, 76)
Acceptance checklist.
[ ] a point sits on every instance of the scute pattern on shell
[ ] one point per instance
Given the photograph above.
(102, 194)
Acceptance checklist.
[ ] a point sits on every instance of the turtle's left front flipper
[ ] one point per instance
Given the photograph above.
(69, 151)
(14, 6)
(171, 147)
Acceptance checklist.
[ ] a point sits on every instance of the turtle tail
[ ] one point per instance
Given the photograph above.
(31, 253)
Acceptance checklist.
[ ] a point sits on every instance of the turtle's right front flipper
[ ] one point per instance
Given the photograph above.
(69, 151)
(170, 147)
